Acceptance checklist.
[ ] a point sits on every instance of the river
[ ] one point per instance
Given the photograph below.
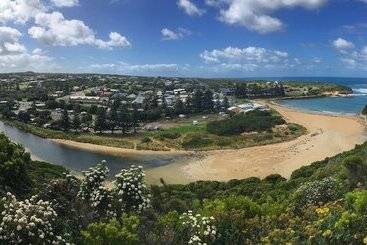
(78, 159)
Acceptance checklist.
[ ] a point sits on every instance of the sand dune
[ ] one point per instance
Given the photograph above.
(327, 136)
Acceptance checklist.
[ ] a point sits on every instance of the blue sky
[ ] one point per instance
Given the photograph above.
(205, 38)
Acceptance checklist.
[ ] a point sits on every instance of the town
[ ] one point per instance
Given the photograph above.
(126, 104)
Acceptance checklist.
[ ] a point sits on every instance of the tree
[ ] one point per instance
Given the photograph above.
(123, 119)
(179, 107)
(188, 105)
(14, 163)
(135, 118)
(65, 122)
(76, 122)
(100, 123)
(225, 103)
(207, 101)
(113, 119)
(197, 101)
(24, 116)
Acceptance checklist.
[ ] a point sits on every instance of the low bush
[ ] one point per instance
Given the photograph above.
(255, 121)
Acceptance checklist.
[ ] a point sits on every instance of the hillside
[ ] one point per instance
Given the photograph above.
(324, 203)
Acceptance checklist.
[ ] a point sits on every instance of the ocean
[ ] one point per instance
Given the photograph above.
(331, 105)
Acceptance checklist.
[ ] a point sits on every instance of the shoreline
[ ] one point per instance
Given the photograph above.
(327, 136)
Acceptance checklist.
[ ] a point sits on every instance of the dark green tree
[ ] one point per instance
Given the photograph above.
(76, 122)
(100, 123)
(65, 121)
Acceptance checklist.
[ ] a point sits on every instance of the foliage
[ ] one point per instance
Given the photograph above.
(113, 232)
(14, 163)
(30, 221)
(318, 191)
(255, 121)
(317, 205)
(130, 191)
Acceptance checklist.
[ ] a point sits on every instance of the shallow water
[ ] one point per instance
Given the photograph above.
(350, 105)
(78, 159)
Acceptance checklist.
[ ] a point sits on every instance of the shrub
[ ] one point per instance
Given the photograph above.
(28, 222)
(356, 171)
(14, 165)
(146, 140)
(196, 141)
(316, 192)
(130, 191)
(199, 229)
(123, 231)
(92, 190)
(169, 135)
(357, 201)
(255, 121)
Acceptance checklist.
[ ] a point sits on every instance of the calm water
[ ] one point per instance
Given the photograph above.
(335, 105)
(77, 159)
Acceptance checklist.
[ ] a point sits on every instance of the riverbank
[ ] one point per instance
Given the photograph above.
(327, 136)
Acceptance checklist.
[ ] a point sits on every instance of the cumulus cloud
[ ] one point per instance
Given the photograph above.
(246, 59)
(190, 8)
(65, 3)
(256, 14)
(342, 44)
(9, 41)
(54, 30)
(19, 11)
(350, 55)
(180, 33)
(14, 55)
(249, 54)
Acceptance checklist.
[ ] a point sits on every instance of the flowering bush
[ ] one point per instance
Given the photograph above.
(28, 222)
(319, 191)
(92, 189)
(130, 191)
(200, 229)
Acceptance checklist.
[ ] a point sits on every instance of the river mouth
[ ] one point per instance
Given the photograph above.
(79, 160)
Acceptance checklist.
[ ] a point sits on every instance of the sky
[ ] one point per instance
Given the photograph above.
(191, 38)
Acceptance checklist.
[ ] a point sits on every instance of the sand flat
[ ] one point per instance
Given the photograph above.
(327, 136)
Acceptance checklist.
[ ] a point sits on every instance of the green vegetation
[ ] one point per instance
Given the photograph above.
(251, 129)
(364, 111)
(324, 203)
(254, 121)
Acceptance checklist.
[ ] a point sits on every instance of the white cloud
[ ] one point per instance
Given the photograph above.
(53, 29)
(9, 41)
(190, 8)
(248, 59)
(180, 33)
(342, 44)
(350, 55)
(167, 34)
(65, 3)
(14, 55)
(19, 11)
(249, 54)
(255, 14)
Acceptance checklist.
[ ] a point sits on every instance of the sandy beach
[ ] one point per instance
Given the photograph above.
(327, 136)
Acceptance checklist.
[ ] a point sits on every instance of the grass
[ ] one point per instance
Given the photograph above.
(181, 135)
(41, 172)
